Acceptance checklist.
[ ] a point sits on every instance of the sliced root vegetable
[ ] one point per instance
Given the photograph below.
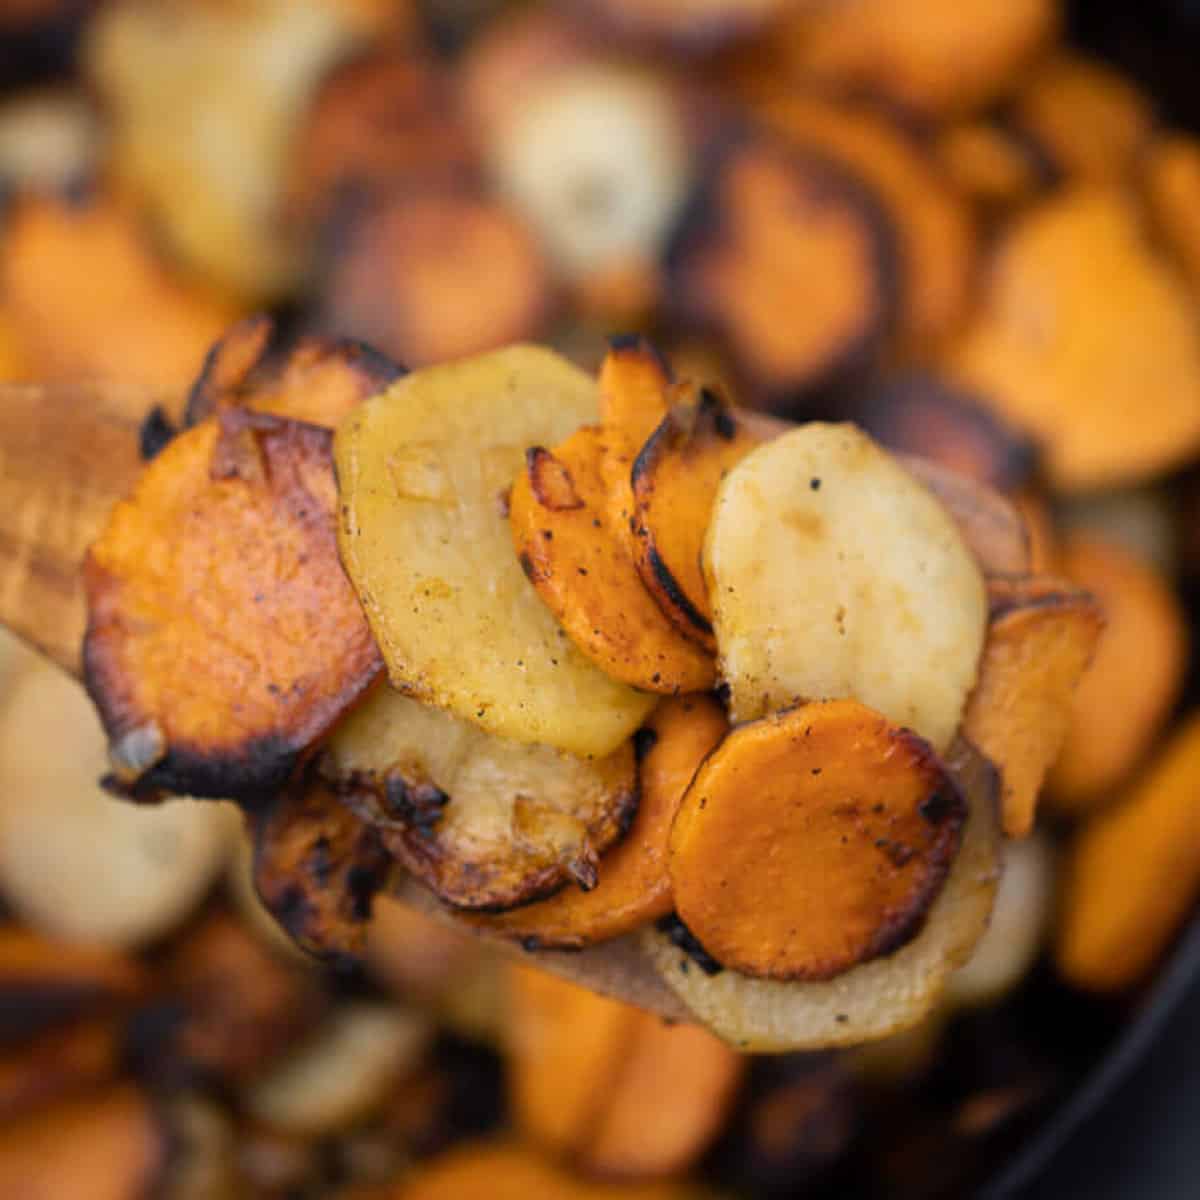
(595, 157)
(1018, 928)
(483, 821)
(347, 1070)
(118, 1149)
(876, 998)
(1123, 336)
(75, 861)
(687, 26)
(675, 479)
(570, 543)
(317, 868)
(435, 273)
(1131, 874)
(1087, 118)
(634, 887)
(923, 414)
(636, 390)
(833, 573)
(427, 466)
(610, 1087)
(768, 223)
(319, 380)
(57, 1064)
(1172, 187)
(1142, 657)
(223, 636)
(1042, 635)
(812, 841)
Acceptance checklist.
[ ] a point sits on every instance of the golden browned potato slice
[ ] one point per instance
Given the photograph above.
(319, 380)
(83, 290)
(934, 232)
(223, 636)
(318, 867)
(687, 26)
(834, 574)
(427, 467)
(876, 998)
(611, 1087)
(812, 841)
(921, 413)
(1142, 657)
(637, 389)
(1018, 927)
(484, 821)
(344, 1072)
(1123, 337)
(634, 887)
(675, 479)
(572, 546)
(1041, 637)
(436, 273)
(108, 1146)
(74, 861)
(1089, 120)
(1171, 178)
(770, 222)
(204, 102)
(1131, 874)
(935, 56)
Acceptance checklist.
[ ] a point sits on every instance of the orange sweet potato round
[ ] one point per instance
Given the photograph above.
(813, 840)
(223, 636)
(634, 887)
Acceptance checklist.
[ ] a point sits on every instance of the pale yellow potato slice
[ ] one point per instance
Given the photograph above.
(483, 821)
(423, 473)
(878, 998)
(834, 574)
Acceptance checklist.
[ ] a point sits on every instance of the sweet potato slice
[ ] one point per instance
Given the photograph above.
(609, 1086)
(675, 479)
(319, 380)
(484, 821)
(923, 414)
(1041, 637)
(1142, 657)
(107, 1147)
(875, 998)
(634, 887)
(82, 286)
(426, 466)
(318, 867)
(770, 222)
(1123, 337)
(223, 636)
(1090, 121)
(1171, 178)
(437, 273)
(636, 384)
(1132, 873)
(569, 540)
(834, 574)
(812, 841)
(934, 232)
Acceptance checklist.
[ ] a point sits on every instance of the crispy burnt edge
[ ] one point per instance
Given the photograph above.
(702, 222)
(690, 39)
(252, 350)
(250, 773)
(945, 809)
(893, 412)
(712, 406)
(344, 866)
(406, 817)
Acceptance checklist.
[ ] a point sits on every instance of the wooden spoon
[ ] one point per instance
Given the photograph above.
(69, 452)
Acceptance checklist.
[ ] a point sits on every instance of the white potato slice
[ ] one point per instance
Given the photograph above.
(878, 998)
(485, 822)
(1019, 925)
(344, 1072)
(423, 471)
(834, 574)
(74, 861)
